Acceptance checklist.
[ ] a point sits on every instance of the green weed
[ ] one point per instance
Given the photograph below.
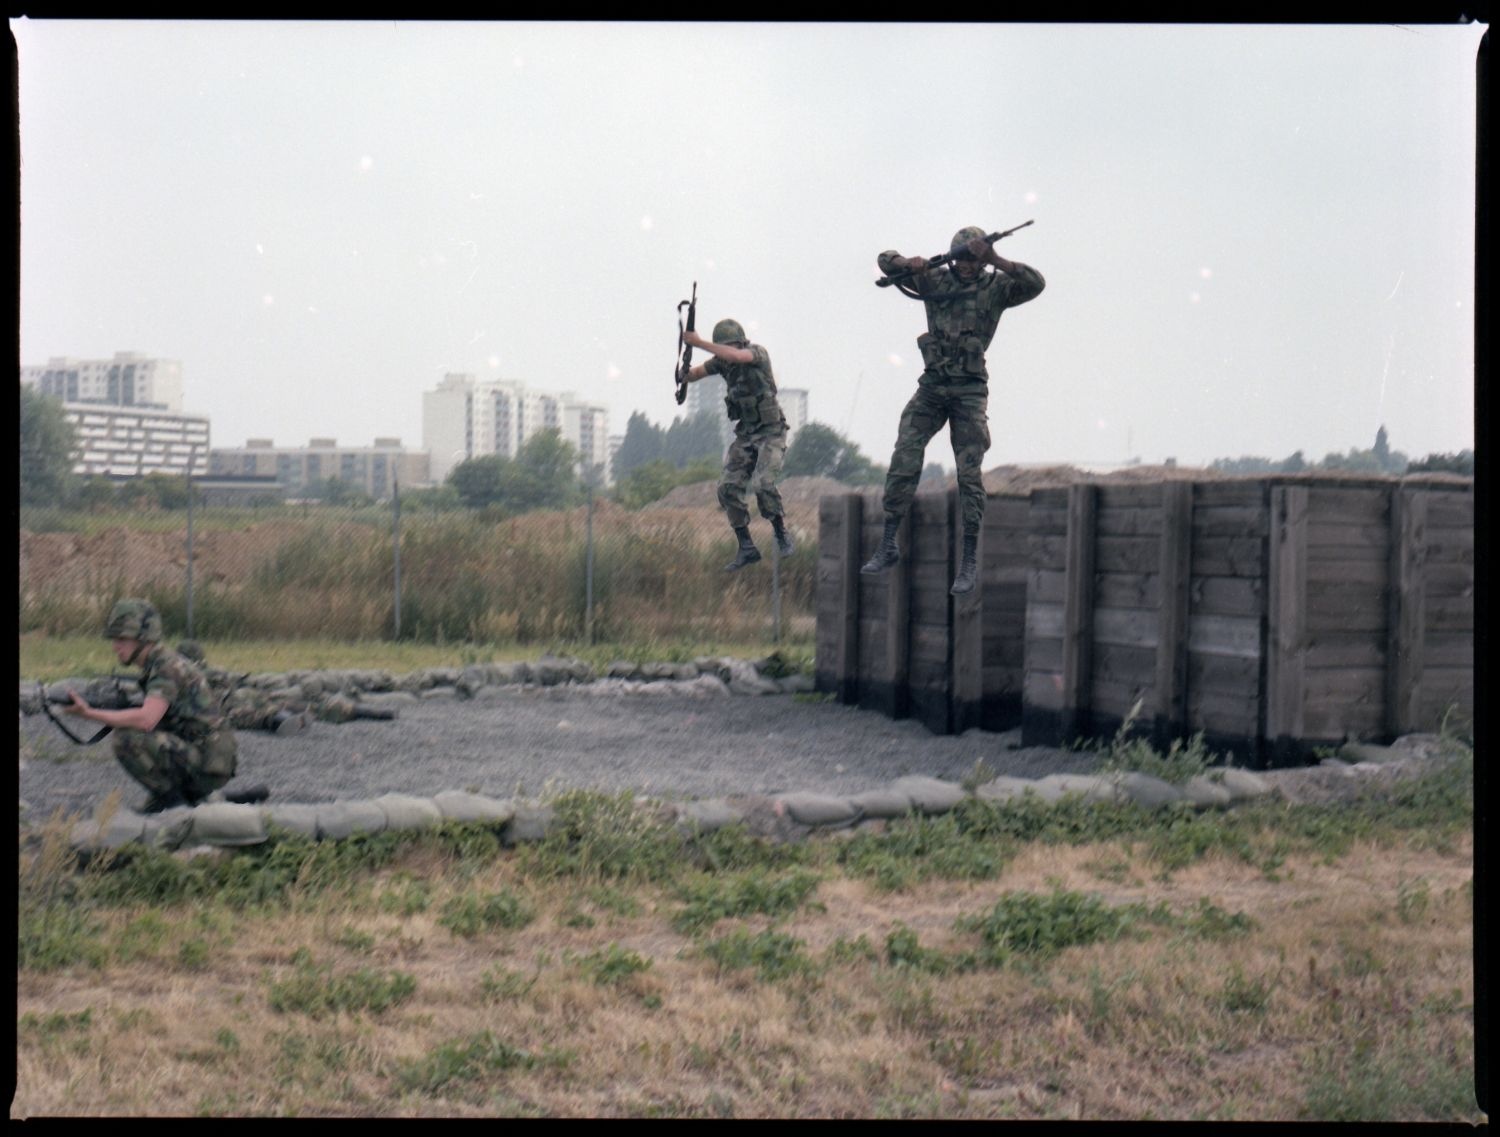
(773, 955)
(472, 1059)
(315, 990)
(468, 914)
(612, 965)
(710, 899)
(1037, 925)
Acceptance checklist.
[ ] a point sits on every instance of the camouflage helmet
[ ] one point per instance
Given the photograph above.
(729, 331)
(132, 619)
(192, 649)
(964, 236)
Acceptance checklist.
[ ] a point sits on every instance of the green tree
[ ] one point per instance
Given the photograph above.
(336, 491)
(643, 442)
(1460, 463)
(819, 451)
(541, 476)
(48, 446)
(96, 493)
(477, 481)
(695, 439)
(655, 480)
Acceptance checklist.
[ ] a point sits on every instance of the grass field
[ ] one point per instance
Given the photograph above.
(1274, 962)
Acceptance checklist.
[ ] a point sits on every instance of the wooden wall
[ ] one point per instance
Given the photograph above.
(1274, 616)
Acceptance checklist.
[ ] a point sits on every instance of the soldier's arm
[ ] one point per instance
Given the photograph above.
(719, 350)
(1019, 284)
(143, 718)
(892, 262)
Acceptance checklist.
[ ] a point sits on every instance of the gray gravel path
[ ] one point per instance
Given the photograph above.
(526, 742)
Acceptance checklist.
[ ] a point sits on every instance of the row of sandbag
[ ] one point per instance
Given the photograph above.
(225, 824)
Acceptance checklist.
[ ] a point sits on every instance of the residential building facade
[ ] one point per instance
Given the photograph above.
(374, 470)
(130, 379)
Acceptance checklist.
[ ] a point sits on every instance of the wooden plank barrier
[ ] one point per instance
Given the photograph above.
(1274, 616)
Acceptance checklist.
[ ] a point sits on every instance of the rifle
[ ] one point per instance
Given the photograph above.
(112, 694)
(685, 348)
(951, 255)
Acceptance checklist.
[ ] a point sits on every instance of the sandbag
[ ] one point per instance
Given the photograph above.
(299, 819)
(930, 795)
(459, 805)
(228, 823)
(882, 803)
(344, 818)
(820, 809)
(406, 811)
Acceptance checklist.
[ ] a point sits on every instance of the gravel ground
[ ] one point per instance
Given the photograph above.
(526, 742)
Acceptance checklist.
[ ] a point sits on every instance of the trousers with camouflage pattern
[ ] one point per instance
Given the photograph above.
(167, 763)
(962, 406)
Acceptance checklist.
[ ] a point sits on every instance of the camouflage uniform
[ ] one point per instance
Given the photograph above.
(755, 456)
(954, 387)
(192, 751)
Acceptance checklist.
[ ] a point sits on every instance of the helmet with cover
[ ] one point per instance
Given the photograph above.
(133, 619)
(962, 238)
(729, 331)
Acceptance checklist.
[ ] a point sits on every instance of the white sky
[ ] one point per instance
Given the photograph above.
(1256, 239)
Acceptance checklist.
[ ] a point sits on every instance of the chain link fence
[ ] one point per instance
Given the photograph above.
(596, 572)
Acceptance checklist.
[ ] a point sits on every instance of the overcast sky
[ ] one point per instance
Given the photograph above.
(1256, 239)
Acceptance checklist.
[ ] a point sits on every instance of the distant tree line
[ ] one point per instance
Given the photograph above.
(1378, 459)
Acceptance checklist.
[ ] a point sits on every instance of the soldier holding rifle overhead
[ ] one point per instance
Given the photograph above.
(964, 292)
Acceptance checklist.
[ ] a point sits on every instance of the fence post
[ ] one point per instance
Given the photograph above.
(396, 545)
(775, 592)
(588, 566)
(190, 550)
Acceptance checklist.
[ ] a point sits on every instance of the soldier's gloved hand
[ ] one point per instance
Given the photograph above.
(915, 264)
(979, 248)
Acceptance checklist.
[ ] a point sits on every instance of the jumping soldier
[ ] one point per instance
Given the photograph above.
(176, 743)
(759, 447)
(964, 302)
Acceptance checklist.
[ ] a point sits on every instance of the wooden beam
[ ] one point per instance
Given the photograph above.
(1286, 615)
(848, 607)
(898, 623)
(1408, 624)
(1176, 578)
(966, 686)
(1078, 610)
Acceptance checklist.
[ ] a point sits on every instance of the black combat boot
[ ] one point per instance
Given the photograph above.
(784, 546)
(968, 566)
(887, 554)
(382, 713)
(249, 795)
(170, 799)
(747, 554)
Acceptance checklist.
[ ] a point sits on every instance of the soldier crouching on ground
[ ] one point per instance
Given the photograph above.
(175, 743)
(755, 456)
(964, 302)
(250, 708)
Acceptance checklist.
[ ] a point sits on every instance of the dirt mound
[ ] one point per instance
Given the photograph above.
(797, 493)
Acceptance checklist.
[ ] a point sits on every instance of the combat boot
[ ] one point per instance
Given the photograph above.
(171, 799)
(887, 554)
(784, 546)
(250, 795)
(746, 554)
(968, 566)
(284, 724)
(383, 713)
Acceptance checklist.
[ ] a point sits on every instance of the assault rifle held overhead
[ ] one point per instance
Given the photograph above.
(686, 348)
(951, 255)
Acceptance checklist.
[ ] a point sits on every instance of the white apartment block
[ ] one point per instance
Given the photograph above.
(129, 442)
(374, 469)
(465, 417)
(707, 395)
(130, 379)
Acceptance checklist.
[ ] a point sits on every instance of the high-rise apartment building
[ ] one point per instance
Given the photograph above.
(465, 417)
(130, 379)
(126, 414)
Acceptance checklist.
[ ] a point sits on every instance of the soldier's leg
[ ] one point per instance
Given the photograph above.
(924, 416)
(769, 460)
(971, 441)
(141, 756)
(739, 467)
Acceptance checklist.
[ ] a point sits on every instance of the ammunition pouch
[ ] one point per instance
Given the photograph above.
(220, 752)
(947, 354)
(753, 411)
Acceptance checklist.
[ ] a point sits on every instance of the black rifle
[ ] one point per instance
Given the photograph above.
(686, 348)
(951, 255)
(112, 694)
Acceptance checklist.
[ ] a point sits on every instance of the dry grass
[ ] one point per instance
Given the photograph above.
(1357, 973)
